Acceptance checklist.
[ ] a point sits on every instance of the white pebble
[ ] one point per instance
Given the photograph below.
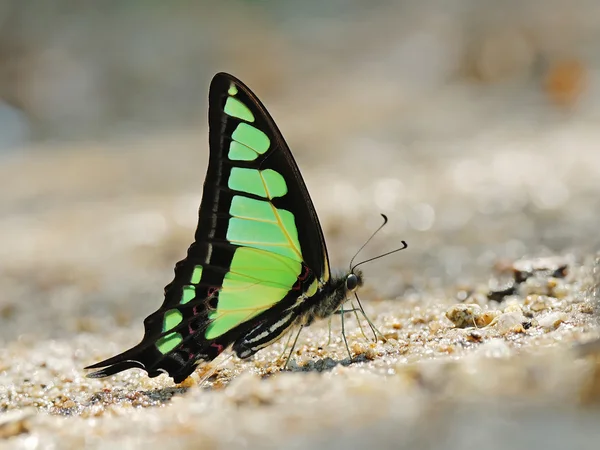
(552, 320)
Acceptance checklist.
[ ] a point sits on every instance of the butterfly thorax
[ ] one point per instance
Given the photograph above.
(331, 297)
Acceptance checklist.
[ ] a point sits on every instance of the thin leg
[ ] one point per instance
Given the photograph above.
(371, 324)
(286, 344)
(329, 326)
(354, 310)
(344, 333)
(293, 347)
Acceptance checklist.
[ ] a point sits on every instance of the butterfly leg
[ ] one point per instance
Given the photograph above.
(338, 312)
(355, 311)
(286, 345)
(293, 347)
(371, 324)
(346, 311)
(344, 333)
(329, 334)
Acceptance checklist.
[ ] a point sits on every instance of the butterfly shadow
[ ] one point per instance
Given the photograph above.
(324, 364)
(144, 398)
(161, 396)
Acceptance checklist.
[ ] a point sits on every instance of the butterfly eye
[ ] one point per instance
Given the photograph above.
(351, 282)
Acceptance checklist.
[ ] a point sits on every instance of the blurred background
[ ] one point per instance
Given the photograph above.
(90, 70)
(471, 123)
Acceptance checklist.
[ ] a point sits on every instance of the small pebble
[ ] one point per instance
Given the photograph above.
(462, 315)
(537, 303)
(551, 320)
(513, 306)
(474, 336)
(558, 288)
(13, 423)
(486, 318)
(551, 266)
(534, 285)
(470, 315)
(510, 322)
(499, 290)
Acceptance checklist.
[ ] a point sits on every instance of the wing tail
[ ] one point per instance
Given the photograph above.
(145, 358)
(113, 368)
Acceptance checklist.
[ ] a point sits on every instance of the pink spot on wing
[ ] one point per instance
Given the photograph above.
(305, 273)
(212, 290)
(219, 347)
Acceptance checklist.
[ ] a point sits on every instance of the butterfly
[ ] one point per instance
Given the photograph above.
(258, 266)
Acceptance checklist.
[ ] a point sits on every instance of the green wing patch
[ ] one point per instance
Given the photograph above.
(256, 281)
(235, 108)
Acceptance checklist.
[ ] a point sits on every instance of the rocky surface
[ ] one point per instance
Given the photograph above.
(483, 152)
(85, 256)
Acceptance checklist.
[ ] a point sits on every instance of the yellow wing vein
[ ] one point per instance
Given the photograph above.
(254, 220)
(244, 145)
(285, 260)
(280, 223)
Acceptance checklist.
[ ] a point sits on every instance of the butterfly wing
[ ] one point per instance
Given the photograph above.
(258, 247)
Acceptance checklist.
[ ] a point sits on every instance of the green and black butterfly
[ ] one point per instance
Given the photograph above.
(259, 264)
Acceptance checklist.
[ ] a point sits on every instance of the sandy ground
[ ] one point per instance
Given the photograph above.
(482, 314)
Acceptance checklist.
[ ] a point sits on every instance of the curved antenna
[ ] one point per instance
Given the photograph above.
(385, 220)
(404, 245)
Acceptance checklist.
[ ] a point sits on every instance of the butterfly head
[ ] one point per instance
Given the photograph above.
(353, 281)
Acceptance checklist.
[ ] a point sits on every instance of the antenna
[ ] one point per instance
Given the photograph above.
(385, 220)
(404, 245)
